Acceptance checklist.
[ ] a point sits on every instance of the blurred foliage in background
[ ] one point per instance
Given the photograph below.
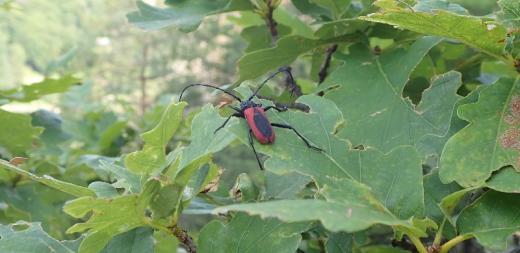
(83, 84)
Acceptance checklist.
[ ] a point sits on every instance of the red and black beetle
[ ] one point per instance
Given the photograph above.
(259, 125)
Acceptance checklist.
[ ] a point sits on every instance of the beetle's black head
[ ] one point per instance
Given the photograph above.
(248, 104)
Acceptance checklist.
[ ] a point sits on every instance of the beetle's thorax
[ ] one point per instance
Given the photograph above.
(248, 104)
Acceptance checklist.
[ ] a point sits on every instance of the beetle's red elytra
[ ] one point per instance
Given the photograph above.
(259, 124)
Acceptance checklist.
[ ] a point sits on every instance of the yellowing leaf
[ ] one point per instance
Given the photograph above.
(490, 141)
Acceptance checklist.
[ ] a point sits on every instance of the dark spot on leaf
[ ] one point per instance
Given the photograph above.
(509, 119)
(510, 139)
(515, 106)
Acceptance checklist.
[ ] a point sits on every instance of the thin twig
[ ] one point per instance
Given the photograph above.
(271, 23)
(290, 83)
(185, 239)
(325, 66)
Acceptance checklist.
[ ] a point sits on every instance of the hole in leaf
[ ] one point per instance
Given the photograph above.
(19, 227)
(415, 88)
(359, 147)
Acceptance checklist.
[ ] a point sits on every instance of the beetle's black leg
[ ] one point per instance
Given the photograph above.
(297, 133)
(226, 121)
(254, 150)
(279, 109)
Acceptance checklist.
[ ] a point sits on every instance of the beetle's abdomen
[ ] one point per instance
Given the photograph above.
(259, 124)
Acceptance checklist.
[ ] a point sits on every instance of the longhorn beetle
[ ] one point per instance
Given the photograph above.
(259, 125)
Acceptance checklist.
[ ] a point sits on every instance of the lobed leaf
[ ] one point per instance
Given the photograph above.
(269, 235)
(153, 157)
(29, 237)
(19, 143)
(348, 206)
(110, 216)
(476, 32)
(185, 15)
(491, 219)
(287, 49)
(27, 93)
(370, 97)
(395, 177)
(72, 189)
(489, 142)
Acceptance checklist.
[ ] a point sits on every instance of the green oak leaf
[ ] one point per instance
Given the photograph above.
(110, 216)
(285, 186)
(339, 28)
(259, 37)
(287, 49)
(432, 5)
(153, 157)
(336, 7)
(165, 242)
(32, 201)
(103, 189)
(505, 180)
(434, 193)
(476, 32)
(30, 92)
(348, 205)
(137, 240)
(19, 143)
(340, 242)
(510, 14)
(244, 189)
(450, 204)
(270, 235)
(72, 189)
(370, 97)
(382, 249)
(489, 142)
(312, 9)
(382, 172)
(124, 178)
(29, 237)
(432, 145)
(204, 142)
(185, 15)
(53, 134)
(491, 219)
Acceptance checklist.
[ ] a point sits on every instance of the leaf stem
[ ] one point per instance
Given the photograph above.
(454, 241)
(417, 243)
(272, 25)
(438, 235)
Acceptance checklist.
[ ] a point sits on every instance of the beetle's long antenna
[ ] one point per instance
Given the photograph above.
(211, 86)
(269, 78)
